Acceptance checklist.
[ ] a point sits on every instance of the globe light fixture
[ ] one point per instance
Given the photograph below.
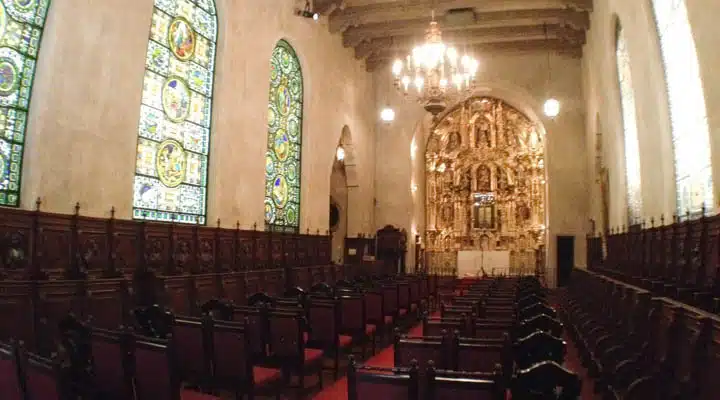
(551, 107)
(387, 114)
(340, 153)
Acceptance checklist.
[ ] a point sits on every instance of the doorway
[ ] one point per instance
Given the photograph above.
(565, 259)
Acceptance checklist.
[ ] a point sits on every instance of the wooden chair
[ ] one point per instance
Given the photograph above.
(232, 363)
(542, 380)
(422, 350)
(44, 379)
(11, 382)
(111, 364)
(324, 318)
(461, 385)
(377, 383)
(155, 374)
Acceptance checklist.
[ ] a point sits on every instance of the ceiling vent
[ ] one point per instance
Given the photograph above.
(460, 17)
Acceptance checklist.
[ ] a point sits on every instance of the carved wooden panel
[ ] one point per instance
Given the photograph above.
(253, 282)
(177, 294)
(15, 241)
(290, 246)
(93, 246)
(234, 287)
(301, 252)
(225, 243)
(245, 246)
(276, 251)
(17, 314)
(183, 250)
(323, 250)
(127, 248)
(157, 248)
(205, 251)
(205, 288)
(274, 282)
(262, 250)
(106, 302)
(53, 249)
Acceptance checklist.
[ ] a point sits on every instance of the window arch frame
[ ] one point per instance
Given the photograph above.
(13, 197)
(274, 227)
(709, 199)
(202, 217)
(628, 114)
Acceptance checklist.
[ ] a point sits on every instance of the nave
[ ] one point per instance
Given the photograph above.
(503, 338)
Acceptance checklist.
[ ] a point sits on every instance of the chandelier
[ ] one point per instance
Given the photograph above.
(434, 72)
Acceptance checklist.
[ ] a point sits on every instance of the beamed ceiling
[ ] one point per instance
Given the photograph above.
(383, 30)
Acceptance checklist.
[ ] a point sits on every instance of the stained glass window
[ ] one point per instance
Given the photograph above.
(174, 132)
(282, 160)
(688, 114)
(632, 150)
(21, 26)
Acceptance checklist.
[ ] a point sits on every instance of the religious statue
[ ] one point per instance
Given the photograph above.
(482, 134)
(483, 179)
(453, 141)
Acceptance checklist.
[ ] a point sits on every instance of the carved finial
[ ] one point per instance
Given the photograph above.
(308, 231)
(662, 219)
(237, 225)
(623, 228)
(652, 222)
(77, 208)
(703, 209)
(254, 226)
(112, 212)
(317, 232)
(642, 224)
(327, 231)
(218, 222)
(37, 204)
(687, 214)
(675, 218)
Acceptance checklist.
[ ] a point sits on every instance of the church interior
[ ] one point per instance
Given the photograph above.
(359, 199)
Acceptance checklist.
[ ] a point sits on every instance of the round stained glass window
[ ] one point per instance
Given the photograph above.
(269, 212)
(176, 99)
(181, 37)
(171, 162)
(9, 77)
(280, 191)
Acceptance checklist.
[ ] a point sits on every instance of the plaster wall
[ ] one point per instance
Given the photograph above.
(85, 109)
(603, 109)
(522, 81)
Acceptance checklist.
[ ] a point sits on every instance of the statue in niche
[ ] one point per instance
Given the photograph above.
(447, 214)
(522, 212)
(453, 141)
(482, 134)
(500, 219)
(483, 179)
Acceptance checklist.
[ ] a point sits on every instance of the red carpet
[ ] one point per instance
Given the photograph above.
(338, 390)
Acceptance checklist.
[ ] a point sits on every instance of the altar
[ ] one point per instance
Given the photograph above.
(473, 262)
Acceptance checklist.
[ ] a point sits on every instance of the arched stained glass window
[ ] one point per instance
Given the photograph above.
(21, 27)
(688, 114)
(282, 160)
(629, 118)
(174, 132)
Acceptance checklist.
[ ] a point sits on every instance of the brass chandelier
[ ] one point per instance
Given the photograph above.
(435, 73)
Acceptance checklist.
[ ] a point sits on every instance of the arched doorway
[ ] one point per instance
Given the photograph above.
(485, 187)
(339, 201)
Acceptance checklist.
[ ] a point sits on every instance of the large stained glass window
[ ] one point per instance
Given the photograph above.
(688, 114)
(629, 118)
(282, 160)
(21, 26)
(174, 132)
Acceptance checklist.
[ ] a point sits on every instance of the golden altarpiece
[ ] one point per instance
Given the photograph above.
(485, 184)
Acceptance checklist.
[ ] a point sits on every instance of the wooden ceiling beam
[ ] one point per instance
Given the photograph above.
(470, 37)
(340, 20)
(575, 19)
(384, 57)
